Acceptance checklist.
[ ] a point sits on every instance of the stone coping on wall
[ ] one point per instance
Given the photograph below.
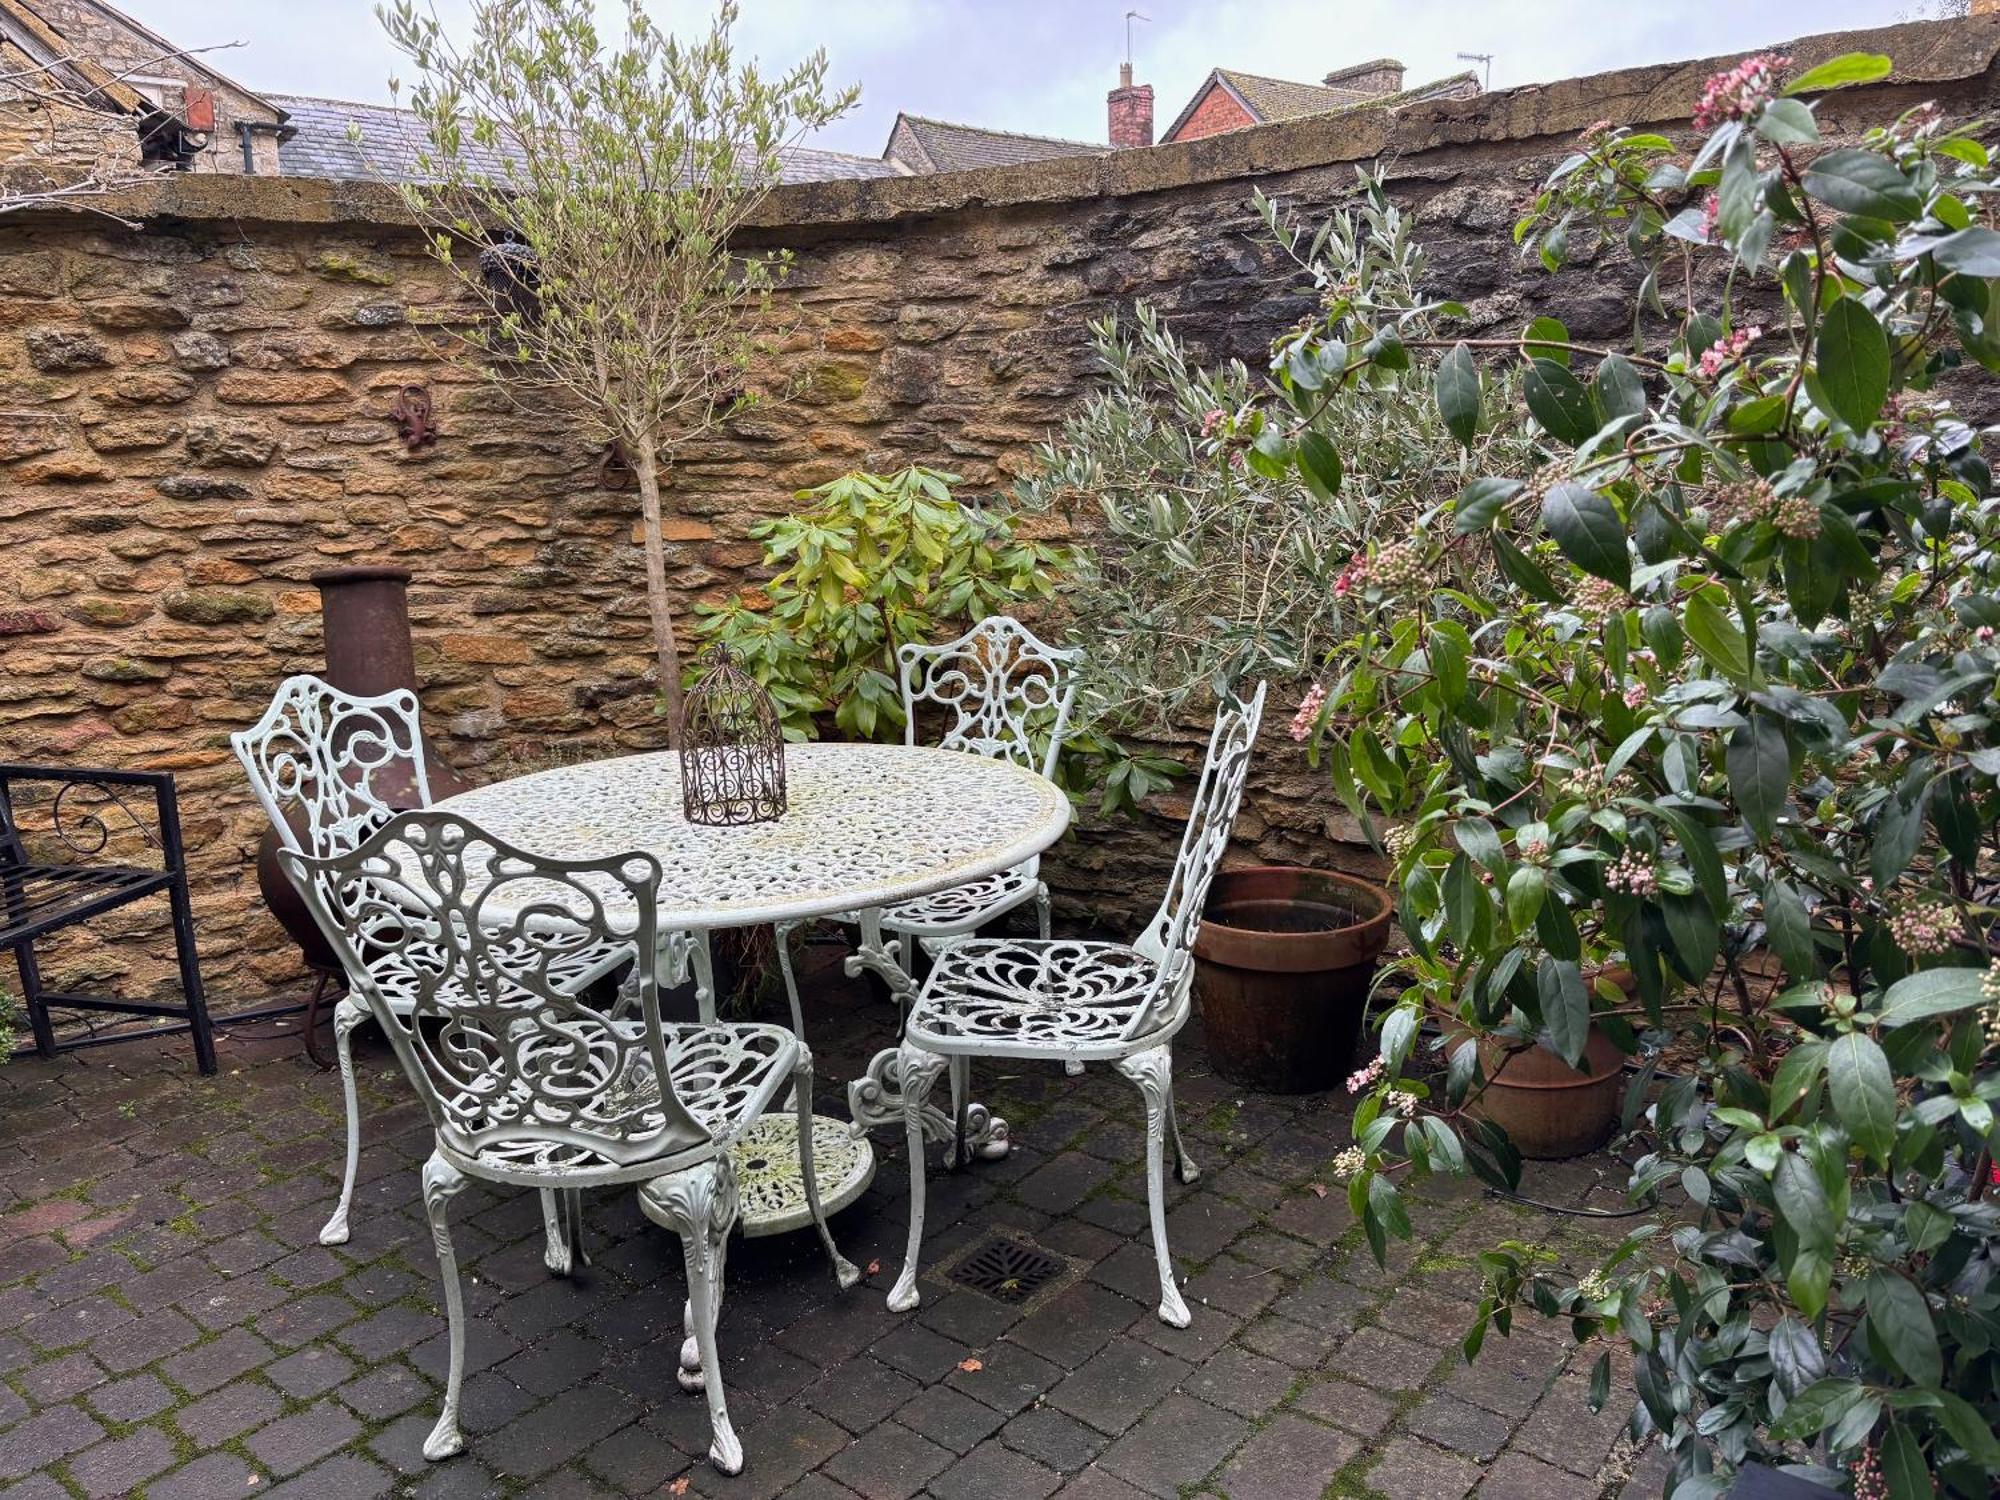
(1926, 54)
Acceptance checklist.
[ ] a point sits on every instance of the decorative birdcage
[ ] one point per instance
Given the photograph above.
(732, 748)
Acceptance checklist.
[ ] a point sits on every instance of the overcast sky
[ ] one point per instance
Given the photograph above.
(1043, 66)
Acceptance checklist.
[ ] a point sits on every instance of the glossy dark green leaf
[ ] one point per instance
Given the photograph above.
(1715, 634)
(1970, 252)
(1932, 992)
(1759, 762)
(1696, 935)
(1480, 501)
(1788, 123)
(1458, 394)
(1319, 465)
(1565, 1007)
(1589, 530)
(1544, 337)
(1865, 183)
(1559, 402)
(1817, 1408)
(1863, 1092)
(1797, 1076)
(1789, 930)
(1904, 1469)
(1900, 1320)
(1839, 72)
(1522, 571)
(1853, 362)
(1618, 390)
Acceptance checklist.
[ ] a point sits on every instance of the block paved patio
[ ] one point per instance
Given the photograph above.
(170, 1327)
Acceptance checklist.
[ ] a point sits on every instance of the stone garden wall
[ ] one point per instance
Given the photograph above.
(195, 415)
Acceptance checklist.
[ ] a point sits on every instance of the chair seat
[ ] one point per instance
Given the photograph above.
(963, 908)
(726, 1074)
(39, 899)
(1032, 997)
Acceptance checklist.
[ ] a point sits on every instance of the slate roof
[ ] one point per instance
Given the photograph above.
(391, 140)
(1267, 99)
(922, 145)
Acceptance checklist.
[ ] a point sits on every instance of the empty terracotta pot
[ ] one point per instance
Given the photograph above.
(1283, 962)
(1549, 1109)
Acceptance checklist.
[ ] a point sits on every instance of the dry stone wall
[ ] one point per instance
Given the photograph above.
(195, 416)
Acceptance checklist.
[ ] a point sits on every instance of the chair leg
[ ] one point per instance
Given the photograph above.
(917, 1070)
(562, 1223)
(442, 1182)
(700, 1206)
(31, 997)
(190, 967)
(346, 1016)
(1153, 1071)
(844, 1270)
(702, 960)
(781, 934)
(1184, 1165)
(961, 1099)
(1042, 922)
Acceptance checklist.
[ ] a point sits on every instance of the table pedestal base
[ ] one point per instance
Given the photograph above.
(768, 1184)
(875, 1100)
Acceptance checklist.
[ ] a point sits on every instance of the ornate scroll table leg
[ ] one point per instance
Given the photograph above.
(347, 1015)
(875, 1101)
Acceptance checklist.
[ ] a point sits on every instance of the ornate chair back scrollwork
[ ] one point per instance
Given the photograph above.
(463, 946)
(1169, 938)
(344, 762)
(1002, 687)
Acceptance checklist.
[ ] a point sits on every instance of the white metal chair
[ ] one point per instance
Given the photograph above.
(461, 947)
(343, 763)
(1004, 690)
(1026, 1000)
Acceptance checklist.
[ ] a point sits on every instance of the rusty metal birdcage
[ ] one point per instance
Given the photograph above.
(732, 748)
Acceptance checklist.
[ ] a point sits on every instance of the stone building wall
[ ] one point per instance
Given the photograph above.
(194, 417)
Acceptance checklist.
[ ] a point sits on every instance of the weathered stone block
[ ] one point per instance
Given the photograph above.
(124, 314)
(231, 445)
(67, 349)
(275, 388)
(216, 606)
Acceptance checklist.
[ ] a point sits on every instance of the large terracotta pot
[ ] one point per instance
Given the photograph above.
(365, 613)
(1549, 1109)
(1283, 962)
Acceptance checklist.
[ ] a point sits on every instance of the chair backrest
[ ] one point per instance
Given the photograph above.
(1002, 686)
(1169, 938)
(335, 757)
(460, 943)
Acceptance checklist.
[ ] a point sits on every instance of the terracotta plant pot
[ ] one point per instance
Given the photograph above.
(1549, 1109)
(1283, 962)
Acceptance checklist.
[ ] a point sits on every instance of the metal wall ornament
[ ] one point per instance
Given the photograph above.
(732, 748)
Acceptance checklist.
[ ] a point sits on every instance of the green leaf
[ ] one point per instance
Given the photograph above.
(1698, 847)
(1900, 1319)
(1864, 1092)
(1788, 123)
(1543, 340)
(1270, 455)
(1522, 571)
(1839, 72)
(1797, 1076)
(1588, 529)
(1853, 363)
(1696, 934)
(1862, 182)
(1760, 772)
(1925, 1226)
(1480, 501)
(1817, 1408)
(1319, 465)
(1904, 1468)
(1801, 1200)
(1715, 635)
(1527, 887)
(1458, 394)
(1559, 402)
(1932, 992)
(1565, 1007)
(1618, 390)
(1970, 252)
(1968, 1429)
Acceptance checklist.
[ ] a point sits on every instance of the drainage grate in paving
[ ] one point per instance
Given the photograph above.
(1008, 1268)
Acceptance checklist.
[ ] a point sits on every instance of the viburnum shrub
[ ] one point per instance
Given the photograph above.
(1707, 760)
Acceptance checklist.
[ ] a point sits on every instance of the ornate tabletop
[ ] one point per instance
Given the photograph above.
(868, 825)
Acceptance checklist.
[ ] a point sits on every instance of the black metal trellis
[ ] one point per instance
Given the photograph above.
(732, 748)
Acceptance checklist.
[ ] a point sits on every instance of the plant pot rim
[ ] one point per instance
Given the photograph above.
(363, 573)
(1266, 951)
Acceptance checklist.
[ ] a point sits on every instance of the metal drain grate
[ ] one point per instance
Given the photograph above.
(1006, 1268)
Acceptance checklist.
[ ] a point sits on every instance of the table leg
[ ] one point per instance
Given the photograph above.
(875, 1100)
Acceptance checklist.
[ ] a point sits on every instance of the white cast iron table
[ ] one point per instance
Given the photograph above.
(867, 826)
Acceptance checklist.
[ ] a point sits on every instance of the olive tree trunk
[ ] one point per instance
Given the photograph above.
(645, 465)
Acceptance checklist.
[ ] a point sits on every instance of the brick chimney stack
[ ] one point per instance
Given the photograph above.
(1131, 111)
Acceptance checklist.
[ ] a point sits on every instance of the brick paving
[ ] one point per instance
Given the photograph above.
(170, 1326)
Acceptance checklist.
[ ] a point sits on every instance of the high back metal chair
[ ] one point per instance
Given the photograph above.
(461, 947)
(1077, 1002)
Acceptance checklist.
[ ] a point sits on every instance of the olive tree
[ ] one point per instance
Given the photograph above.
(590, 196)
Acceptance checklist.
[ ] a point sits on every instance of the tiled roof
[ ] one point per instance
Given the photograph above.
(391, 140)
(1268, 99)
(923, 145)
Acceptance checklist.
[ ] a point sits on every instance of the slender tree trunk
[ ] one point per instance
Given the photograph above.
(645, 465)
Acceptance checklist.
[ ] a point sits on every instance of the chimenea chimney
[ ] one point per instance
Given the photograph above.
(1131, 111)
(1382, 76)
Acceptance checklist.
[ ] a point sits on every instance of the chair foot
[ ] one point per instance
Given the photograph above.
(690, 1374)
(725, 1450)
(335, 1231)
(904, 1296)
(1173, 1310)
(445, 1441)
